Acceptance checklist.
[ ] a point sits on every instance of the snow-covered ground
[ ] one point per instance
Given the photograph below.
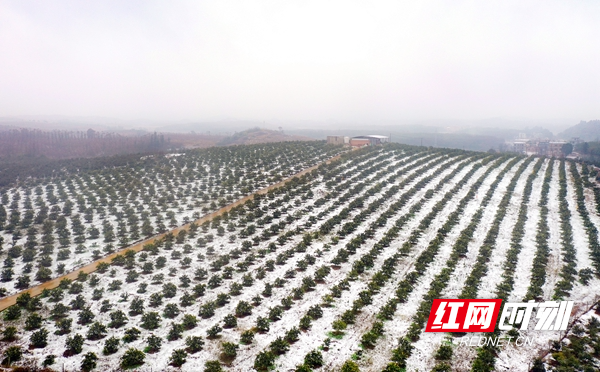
(168, 192)
(522, 274)
(555, 262)
(495, 266)
(299, 218)
(463, 268)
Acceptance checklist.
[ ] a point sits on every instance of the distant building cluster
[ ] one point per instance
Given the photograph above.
(358, 141)
(539, 146)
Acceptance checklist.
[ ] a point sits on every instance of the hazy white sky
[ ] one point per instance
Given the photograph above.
(301, 60)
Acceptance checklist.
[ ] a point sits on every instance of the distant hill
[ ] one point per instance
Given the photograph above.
(259, 135)
(585, 130)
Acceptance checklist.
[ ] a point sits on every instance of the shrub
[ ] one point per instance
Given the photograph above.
(171, 311)
(160, 262)
(199, 290)
(178, 358)
(262, 324)
(185, 281)
(235, 289)
(132, 358)
(74, 344)
(279, 346)
(189, 321)
(328, 300)
(9, 334)
(155, 300)
(214, 331)
(94, 280)
(33, 321)
(7, 274)
(22, 282)
(175, 332)
(136, 306)
(401, 353)
(111, 346)
(268, 291)
(200, 274)
(102, 267)
(186, 300)
(305, 322)
(76, 288)
(34, 304)
(444, 352)
(314, 359)
(194, 344)
(23, 300)
(154, 344)
(78, 303)
(97, 294)
(63, 326)
(39, 339)
(59, 311)
(230, 321)
(229, 350)
(131, 334)
(368, 339)
(256, 300)
(275, 313)
(212, 366)
(86, 316)
(350, 366)
(96, 331)
(106, 306)
(115, 285)
(49, 360)
(298, 293)
(89, 362)
(56, 295)
(443, 367)
(242, 309)
(207, 310)
(585, 275)
(349, 316)
(150, 321)
(264, 361)
(12, 313)
(287, 302)
(12, 354)
(132, 276)
(292, 335)
(117, 319)
(247, 337)
(315, 312)
(147, 267)
(169, 290)
(215, 281)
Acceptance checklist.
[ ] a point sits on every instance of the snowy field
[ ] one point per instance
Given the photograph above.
(338, 265)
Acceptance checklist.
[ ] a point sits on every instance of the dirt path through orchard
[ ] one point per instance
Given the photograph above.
(34, 291)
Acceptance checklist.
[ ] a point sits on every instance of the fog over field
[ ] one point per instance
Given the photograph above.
(300, 64)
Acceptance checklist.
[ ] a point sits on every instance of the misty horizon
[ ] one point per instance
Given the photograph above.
(301, 64)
